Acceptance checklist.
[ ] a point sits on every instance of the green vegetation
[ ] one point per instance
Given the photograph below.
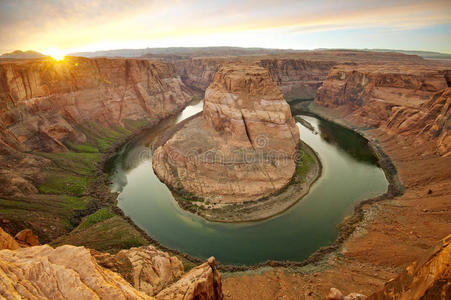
(99, 216)
(304, 162)
(39, 212)
(72, 162)
(63, 193)
(121, 235)
(81, 147)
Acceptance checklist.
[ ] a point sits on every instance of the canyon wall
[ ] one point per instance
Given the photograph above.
(298, 75)
(296, 78)
(41, 102)
(44, 104)
(400, 99)
(241, 149)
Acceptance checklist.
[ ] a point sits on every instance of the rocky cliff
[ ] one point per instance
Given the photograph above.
(56, 115)
(427, 278)
(298, 75)
(41, 102)
(68, 272)
(402, 99)
(298, 78)
(241, 149)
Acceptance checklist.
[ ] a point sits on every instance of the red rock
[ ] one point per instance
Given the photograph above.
(27, 238)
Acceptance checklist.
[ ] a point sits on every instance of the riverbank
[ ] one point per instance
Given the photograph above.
(379, 240)
(318, 258)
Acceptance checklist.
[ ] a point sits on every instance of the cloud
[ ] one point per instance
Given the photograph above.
(93, 24)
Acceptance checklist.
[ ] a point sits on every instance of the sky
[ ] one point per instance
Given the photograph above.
(91, 25)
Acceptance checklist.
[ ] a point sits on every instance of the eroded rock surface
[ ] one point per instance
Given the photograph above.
(401, 99)
(67, 272)
(202, 282)
(42, 101)
(27, 238)
(427, 278)
(146, 268)
(7, 241)
(243, 147)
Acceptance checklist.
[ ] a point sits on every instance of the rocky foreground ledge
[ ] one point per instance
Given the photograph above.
(69, 272)
(242, 149)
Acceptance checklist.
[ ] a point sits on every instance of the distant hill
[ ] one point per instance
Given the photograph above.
(423, 54)
(18, 54)
(182, 52)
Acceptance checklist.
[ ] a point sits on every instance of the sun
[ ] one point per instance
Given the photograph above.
(55, 53)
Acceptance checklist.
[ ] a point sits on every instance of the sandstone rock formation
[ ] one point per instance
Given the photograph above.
(202, 282)
(241, 149)
(146, 268)
(298, 78)
(336, 294)
(67, 272)
(7, 241)
(427, 278)
(42, 101)
(412, 99)
(26, 238)
(298, 75)
(431, 121)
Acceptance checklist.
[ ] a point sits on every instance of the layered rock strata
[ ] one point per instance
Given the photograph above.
(41, 102)
(69, 272)
(244, 146)
(298, 75)
(427, 278)
(146, 268)
(407, 100)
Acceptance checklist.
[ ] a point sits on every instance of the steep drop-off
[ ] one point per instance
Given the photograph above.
(409, 100)
(298, 75)
(42, 101)
(56, 120)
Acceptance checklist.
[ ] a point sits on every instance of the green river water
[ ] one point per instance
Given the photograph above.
(350, 174)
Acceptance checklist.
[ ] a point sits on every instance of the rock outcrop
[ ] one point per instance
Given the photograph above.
(7, 241)
(243, 147)
(69, 272)
(407, 99)
(298, 74)
(432, 120)
(26, 238)
(202, 282)
(298, 78)
(41, 102)
(146, 268)
(427, 278)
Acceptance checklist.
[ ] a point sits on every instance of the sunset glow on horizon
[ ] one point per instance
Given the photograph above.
(103, 25)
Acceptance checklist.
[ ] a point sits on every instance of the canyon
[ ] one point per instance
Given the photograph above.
(62, 120)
